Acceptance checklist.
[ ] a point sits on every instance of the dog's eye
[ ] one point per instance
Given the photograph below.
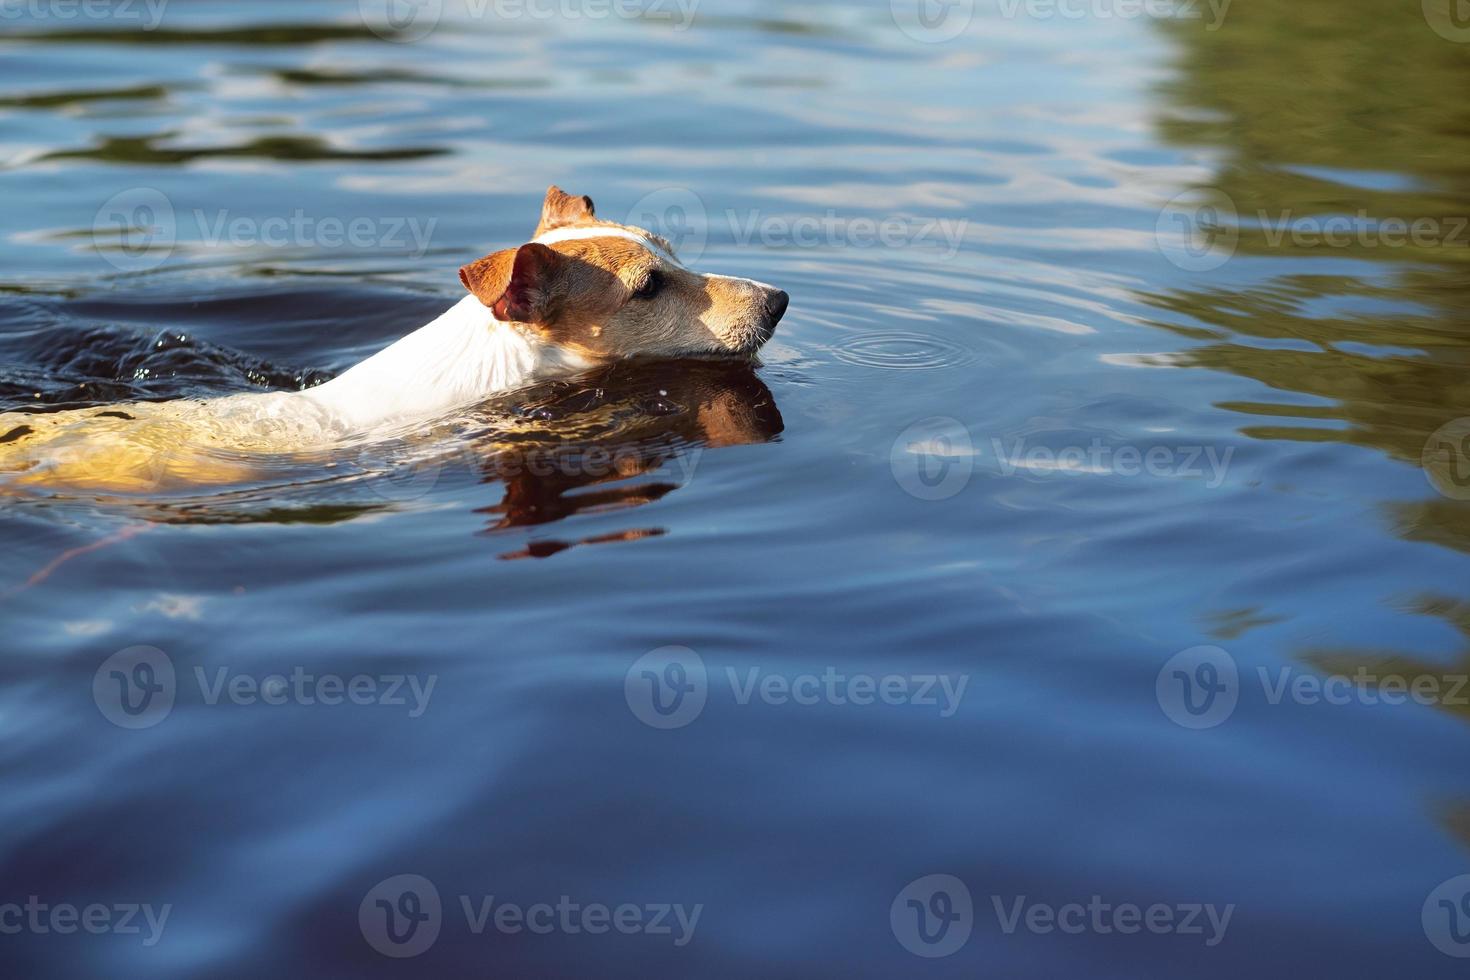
(650, 286)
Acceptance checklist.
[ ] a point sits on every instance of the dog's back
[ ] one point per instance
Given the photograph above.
(145, 447)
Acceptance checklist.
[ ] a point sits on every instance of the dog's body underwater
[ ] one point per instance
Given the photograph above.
(581, 293)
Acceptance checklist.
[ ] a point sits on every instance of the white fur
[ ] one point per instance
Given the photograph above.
(462, 357)
(597, 231)
(457, 360)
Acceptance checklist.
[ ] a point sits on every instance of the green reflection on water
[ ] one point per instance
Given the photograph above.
(1315, 110)
(1344, 108)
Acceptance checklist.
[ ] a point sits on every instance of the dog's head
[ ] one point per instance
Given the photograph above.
(606, 290)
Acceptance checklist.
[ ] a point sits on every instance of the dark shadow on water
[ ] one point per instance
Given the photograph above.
(70, 97)
(337, 77)
(640, 423)
(612, 440)
(145, 150)
(267, 35)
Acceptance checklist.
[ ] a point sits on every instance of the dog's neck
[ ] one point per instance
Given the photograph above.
(459, 359)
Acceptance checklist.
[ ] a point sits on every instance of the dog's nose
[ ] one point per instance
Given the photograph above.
(776, 306)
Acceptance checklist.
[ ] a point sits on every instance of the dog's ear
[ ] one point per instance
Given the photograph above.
(516, 284)
(561, 208)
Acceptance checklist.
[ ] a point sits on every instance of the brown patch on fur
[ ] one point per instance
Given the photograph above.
(610, 297)
(514, 283)
(561, 209)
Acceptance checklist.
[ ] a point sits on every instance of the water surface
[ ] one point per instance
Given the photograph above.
(1066, 388)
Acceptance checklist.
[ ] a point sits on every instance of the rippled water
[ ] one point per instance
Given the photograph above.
(1072, 385)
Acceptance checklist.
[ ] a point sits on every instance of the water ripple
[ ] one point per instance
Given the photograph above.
(903, 351)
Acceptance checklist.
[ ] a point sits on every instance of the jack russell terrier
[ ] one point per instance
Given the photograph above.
(581, 293)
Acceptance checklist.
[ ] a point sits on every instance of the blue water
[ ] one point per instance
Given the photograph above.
(1018, 432)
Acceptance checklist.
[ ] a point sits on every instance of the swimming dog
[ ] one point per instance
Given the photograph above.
(582, 292)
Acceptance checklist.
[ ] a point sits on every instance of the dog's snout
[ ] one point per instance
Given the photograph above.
(776, 304)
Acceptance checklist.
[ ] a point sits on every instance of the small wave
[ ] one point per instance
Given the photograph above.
(902, 351)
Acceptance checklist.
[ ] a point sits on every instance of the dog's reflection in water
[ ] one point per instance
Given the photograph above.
(623, 437)
(626, 435)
